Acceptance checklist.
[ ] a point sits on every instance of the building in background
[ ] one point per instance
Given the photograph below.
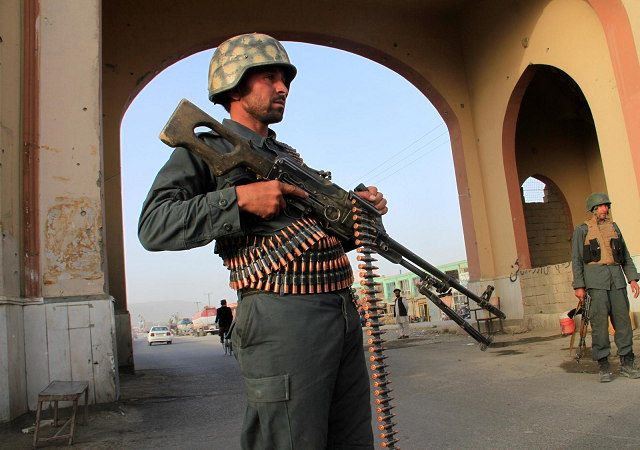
(420, 308)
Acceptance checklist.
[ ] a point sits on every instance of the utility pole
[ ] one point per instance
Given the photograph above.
(197, 307)
(208, 294)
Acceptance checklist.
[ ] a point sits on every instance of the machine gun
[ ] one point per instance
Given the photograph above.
(342, 213)
(585, 309)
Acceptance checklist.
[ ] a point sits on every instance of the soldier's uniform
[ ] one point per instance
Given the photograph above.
(601, 261)
(297, 334)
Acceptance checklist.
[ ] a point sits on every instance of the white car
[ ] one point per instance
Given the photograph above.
(159, 334)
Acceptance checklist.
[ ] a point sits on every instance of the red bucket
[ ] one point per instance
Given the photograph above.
(567, 326)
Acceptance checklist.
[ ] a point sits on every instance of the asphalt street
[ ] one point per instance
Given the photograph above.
(525, 392)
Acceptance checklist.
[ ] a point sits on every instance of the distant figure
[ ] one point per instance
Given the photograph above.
(224, 317)
(601, 262)
(401, 314)
(363, 320)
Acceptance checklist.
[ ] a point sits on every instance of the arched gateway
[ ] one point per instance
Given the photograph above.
(68, 74)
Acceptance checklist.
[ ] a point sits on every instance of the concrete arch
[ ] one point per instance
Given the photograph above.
(587, 170)
(116, 106)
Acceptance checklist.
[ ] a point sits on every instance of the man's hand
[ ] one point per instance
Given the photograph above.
(634, 288)
(580, 294)
(375, 198)
(266, 198)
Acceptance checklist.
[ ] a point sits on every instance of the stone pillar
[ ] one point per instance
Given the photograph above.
(57, 319)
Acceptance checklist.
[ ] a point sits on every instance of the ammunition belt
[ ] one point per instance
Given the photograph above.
(301, 259)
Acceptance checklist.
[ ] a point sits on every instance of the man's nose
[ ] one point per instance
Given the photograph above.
(281, 88)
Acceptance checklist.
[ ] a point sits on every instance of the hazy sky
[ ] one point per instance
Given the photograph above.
(344, 114)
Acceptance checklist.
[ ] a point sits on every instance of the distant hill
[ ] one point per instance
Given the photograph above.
(158, 313)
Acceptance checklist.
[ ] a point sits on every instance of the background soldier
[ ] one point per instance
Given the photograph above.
(297, 336)
(599, 257)
(401, 313)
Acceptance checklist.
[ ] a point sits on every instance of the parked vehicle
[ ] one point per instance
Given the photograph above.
(204, 322)
(185, 326)
(160, 334)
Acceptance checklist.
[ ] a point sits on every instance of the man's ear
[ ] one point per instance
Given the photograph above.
(234, 94)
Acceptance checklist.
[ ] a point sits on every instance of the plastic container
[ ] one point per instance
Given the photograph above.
(567, 325)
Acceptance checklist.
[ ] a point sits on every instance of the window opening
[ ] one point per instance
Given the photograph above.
(533, 191)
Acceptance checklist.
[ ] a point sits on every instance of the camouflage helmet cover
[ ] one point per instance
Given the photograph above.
(596, 199)
(234, 56)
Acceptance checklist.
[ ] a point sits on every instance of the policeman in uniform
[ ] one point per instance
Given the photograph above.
(600, 257)
(297, 334)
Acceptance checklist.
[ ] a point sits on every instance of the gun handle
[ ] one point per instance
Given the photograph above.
(180, 132)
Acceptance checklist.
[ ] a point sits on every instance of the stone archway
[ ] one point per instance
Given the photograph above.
(135, 51)
(552, 136)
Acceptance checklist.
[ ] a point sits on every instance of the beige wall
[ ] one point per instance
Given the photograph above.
(496, 56)
(70, 142)
(10, 146)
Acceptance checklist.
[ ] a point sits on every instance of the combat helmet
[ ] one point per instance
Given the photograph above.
(234, 56)
(597, 198)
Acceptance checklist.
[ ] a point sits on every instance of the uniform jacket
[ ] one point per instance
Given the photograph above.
(599, 276)
(188, 207)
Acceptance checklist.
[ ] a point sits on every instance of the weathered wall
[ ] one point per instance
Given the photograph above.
(546, 292)
(548, 230)
(10, 154)
(68, 332)
(13, 389)
(72, 340)
(70, 139)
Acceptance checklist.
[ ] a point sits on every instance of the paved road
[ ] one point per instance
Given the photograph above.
(521, 394)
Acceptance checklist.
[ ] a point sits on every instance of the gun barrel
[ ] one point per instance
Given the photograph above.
(388, 246)
(483, 340)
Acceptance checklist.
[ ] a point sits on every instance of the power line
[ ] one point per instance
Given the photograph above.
(396, 154)
(406, 165)
(410, 154)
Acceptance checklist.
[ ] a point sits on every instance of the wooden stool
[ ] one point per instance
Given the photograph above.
(62, 391)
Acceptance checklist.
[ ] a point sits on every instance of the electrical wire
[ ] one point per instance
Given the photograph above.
(407, 165)
(396, 154)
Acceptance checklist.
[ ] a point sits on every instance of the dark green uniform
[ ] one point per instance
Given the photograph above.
(301, 356)
(608, 289)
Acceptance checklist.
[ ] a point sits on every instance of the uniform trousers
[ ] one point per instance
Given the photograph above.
(305, 376)
(612, 303)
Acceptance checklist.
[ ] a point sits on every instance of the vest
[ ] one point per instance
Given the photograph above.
(602, 244)
(401, 310)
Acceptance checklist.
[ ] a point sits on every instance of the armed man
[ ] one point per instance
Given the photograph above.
(297, 334)
(600, 257)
